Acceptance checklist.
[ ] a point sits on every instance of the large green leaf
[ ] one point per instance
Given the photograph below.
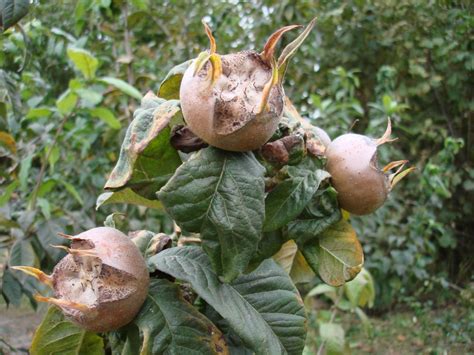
(320, 213)
(147, 159)
(336, 255)
(56, 335)
(288, 199)
(263, 308)
(169, 324)
(169, 87)
(84, 61)
(11, 11)
(220, 194)
(126, 196)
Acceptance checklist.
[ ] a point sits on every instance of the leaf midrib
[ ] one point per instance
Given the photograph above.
(209, 271)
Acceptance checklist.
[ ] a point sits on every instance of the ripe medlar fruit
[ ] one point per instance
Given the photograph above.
(101, 284)
(234, 101)
(352, 162)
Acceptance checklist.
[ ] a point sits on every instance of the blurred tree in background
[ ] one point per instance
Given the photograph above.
(413, 61)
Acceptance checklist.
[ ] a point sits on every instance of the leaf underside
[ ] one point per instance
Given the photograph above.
(147, 159)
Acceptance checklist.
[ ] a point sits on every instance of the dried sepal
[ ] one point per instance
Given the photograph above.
(397, 177)
(394, 164)
(212, 40)
(386, 136)
(37, 273)
(291, 49)
(62, 303)
(78, 252)
(268, 88)
(272, 41)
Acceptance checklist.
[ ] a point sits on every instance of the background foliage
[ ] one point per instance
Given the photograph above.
(63, 114)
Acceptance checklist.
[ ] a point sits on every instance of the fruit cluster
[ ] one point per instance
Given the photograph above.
(235, 102)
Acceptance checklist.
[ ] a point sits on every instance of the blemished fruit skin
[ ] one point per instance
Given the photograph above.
(225, 114)
(113, 284)
(352, 162)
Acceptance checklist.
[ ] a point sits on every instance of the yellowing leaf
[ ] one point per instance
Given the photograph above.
(294, 263)
(8, 141)
(336, 255)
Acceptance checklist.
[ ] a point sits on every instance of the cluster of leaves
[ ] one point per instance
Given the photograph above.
(220, 198)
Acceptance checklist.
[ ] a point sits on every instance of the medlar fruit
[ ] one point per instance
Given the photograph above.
(101, 284)
(352, 162)
(234, 101)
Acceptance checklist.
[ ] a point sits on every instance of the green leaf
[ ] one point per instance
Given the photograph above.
(361, 290)
(323, 289)
(56, 335)
(263, 307)
(219, 194)
(84, 61)
(147, 160)
(72, 190)
(333, 337)
(288, 199)
(269, 245)
(320, 213)
(171, 325)
(123, 86)
(11, 288)
(126, 196)
(45, 207)
(8, 191)
(25, 167)
(22, 253)
(54, 157)
(12, 11)
(107, 116)
(89, 98)
(66, 102)
(169, 87)
(336, 255)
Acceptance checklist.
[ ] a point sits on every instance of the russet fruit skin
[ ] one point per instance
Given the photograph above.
(225, 114)
(101, 284)
(352, 162)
